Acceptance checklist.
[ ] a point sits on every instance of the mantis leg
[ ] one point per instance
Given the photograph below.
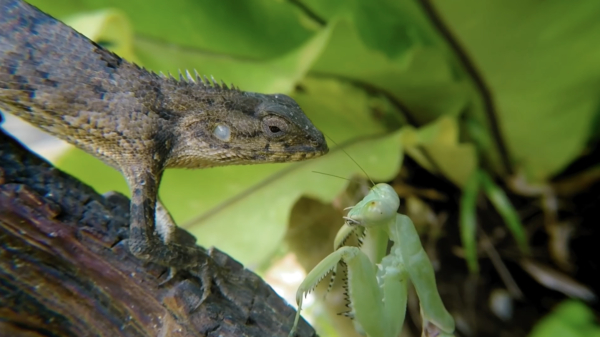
(394, 281)
(407, 244)
(372, 310)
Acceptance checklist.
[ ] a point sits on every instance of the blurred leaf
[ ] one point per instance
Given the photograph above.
(372, 68)
(425, 80)
(540, 61)
(503, 206)
(92, 171)
(250, 29)
(109, 27)
(413, 78)
(275, 75)
(384, 26)
(569, 319)
(184, 46)
(436, 147)
(325, 10)
(468, 221)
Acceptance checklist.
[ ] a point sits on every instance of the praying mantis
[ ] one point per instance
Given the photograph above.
(377, 291)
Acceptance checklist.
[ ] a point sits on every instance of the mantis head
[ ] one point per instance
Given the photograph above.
(377, 208)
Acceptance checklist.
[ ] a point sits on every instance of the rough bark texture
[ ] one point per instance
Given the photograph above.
(65, 269)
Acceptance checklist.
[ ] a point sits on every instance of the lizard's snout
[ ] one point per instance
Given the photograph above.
(318, 142)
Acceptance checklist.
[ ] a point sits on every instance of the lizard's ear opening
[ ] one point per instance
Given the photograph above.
(274, 126)
(222, 132)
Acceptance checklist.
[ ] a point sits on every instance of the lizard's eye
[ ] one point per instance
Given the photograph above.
(222, 132)
(274, 126)
(274, 129)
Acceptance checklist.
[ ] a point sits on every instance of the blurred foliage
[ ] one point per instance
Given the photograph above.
(514, 90)
(569, 319)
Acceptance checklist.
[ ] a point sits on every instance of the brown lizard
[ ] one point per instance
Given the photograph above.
(139, 122)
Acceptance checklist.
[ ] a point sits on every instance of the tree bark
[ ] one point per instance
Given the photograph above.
(65, 269)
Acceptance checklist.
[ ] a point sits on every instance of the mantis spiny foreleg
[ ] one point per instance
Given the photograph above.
(377, 299)
(373, 296)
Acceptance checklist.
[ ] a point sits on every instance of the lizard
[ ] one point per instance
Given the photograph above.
(140, 122)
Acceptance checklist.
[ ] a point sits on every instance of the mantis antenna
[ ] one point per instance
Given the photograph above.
(331, 175)
(355, 162)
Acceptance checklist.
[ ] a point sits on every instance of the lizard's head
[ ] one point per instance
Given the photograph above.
(236, 127)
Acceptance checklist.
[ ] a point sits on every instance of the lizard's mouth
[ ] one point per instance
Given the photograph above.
(301, 152)
(294, 153)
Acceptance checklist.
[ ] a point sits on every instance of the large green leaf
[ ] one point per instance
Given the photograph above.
(413, 78)
(540, 60)
(250, 29)
(423, 77)
(275, 75)
(537, 57)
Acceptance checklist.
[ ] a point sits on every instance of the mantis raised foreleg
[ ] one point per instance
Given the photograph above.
(377, 290)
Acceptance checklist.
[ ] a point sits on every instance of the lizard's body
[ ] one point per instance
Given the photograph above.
(137, 121)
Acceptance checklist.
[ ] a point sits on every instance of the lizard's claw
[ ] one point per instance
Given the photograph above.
(171, 272)
(205, 276)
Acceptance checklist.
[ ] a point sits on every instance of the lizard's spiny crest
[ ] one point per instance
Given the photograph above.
(199, 80)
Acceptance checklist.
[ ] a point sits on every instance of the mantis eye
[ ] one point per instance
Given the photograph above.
(375, 212)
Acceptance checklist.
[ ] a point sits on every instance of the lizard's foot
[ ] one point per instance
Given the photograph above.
(221, 271)
(183, 238)
(203, 274)
(173, 255)
(194, 260)
(209, 274)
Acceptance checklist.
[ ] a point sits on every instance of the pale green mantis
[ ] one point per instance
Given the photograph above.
(377, 290)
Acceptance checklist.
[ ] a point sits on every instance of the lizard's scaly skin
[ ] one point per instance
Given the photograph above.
(137, 121)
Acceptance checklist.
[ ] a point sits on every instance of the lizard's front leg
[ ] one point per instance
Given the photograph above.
(145, 241)
(162, 245)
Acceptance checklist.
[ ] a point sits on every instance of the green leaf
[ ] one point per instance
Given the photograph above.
(275, 75)
(468, 221)
(249, 29)
(436, 147)
(537, 58)
(509, 214)
(384, 26)
(110, 28)
(540, 61)
(422, 78)
(569, 319)
(184, 41)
